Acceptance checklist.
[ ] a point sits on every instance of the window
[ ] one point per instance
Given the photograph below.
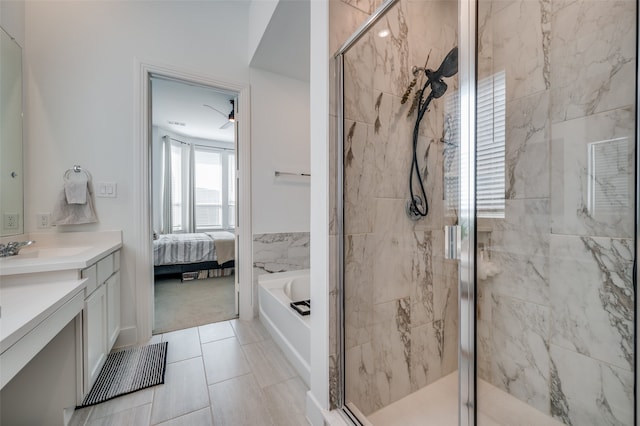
(176, 188)
(490, 150)
(490, 140)
(208, 189)
(214, 188)
(231, 176)
(202, 188)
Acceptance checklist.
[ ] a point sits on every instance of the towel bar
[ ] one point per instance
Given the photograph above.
(278, 173)
(76, 169)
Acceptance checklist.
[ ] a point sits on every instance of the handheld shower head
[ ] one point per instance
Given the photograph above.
(418, 205)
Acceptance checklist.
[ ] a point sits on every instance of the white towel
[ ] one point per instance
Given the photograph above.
(76, 188)
(65, 213)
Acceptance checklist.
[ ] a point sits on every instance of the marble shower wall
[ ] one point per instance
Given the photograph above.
(401, 307)
(556, 298)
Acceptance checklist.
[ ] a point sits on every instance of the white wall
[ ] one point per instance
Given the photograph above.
(260, 13)
(279, 141)
(12, 19)
(318, 396)
(80, 75)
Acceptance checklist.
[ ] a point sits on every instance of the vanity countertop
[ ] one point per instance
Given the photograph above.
(60, 251)
(26, 306)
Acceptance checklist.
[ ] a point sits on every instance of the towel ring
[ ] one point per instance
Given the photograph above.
(76, 169)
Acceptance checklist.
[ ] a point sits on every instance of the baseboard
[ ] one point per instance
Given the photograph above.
(128, 337)
(315, 414)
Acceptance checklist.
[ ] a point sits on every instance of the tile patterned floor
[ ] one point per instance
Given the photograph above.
(226, 373)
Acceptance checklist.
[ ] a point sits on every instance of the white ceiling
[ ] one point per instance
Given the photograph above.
(180, 102)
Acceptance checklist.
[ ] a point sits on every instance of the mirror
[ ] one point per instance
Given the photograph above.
(11, 179)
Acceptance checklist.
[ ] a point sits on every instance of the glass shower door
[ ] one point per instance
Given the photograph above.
(400, 189)
(555, 212)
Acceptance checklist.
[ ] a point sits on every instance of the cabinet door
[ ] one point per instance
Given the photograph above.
(95, 335)
(113, 309)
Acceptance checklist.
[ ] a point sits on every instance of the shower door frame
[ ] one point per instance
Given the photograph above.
(467, 46)
(466, 215)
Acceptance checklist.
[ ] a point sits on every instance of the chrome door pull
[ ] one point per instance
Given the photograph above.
(452, 242)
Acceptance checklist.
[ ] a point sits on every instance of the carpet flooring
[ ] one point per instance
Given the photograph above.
(180, 305)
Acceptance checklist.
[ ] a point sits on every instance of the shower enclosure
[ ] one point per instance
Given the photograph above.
(512, 300)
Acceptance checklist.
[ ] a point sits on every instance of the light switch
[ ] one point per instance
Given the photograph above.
(107, 189)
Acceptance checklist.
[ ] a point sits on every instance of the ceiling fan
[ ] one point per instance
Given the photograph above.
(230, 117)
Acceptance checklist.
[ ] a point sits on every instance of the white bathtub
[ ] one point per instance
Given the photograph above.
(290, 330)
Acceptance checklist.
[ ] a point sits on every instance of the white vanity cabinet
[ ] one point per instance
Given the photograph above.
(101, 316)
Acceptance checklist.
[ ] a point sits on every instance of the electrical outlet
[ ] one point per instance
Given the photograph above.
(43, 220)
(11, 221)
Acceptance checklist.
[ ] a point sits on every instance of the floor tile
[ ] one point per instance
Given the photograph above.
(249, 331)
(286, 402)
(122, 403)
(268, 363)
(197, 418)
(156, 338)
(80, 416)
(224, 359)
(215, 331)
(184, 391)
(239, 402)
(132, 417)
(183, 344)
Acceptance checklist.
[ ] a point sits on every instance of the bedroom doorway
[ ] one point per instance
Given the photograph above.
(194, 201)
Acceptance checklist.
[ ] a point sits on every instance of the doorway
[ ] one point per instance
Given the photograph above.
(193, 196)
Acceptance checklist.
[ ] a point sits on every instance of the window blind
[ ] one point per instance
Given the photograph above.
(490, 146)
(490, 149)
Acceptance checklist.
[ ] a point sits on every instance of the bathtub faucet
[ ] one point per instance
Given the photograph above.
(13, 248)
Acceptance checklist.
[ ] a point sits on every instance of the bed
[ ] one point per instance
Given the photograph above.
(199, 252)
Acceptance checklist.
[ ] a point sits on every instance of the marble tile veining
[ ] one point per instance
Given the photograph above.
(592, 297)
(603, 395)
(527, 147)
(592, 57)
(278, 252)
(521, 366)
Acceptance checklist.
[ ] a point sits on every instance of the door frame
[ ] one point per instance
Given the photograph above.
(142, 189)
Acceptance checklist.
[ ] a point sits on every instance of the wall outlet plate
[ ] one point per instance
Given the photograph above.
(11, 221)
(43, 220)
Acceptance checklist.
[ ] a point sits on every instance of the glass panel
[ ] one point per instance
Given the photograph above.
(208, 189)
(231, 171)
(400, 293)
(176, 187)
(555, 212)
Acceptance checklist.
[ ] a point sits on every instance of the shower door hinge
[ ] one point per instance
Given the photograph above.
(452, 242)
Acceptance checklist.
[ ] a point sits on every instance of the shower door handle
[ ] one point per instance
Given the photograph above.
(452, 242)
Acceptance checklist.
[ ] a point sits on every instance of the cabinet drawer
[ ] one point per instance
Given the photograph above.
(91, 275)
(105, 268)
